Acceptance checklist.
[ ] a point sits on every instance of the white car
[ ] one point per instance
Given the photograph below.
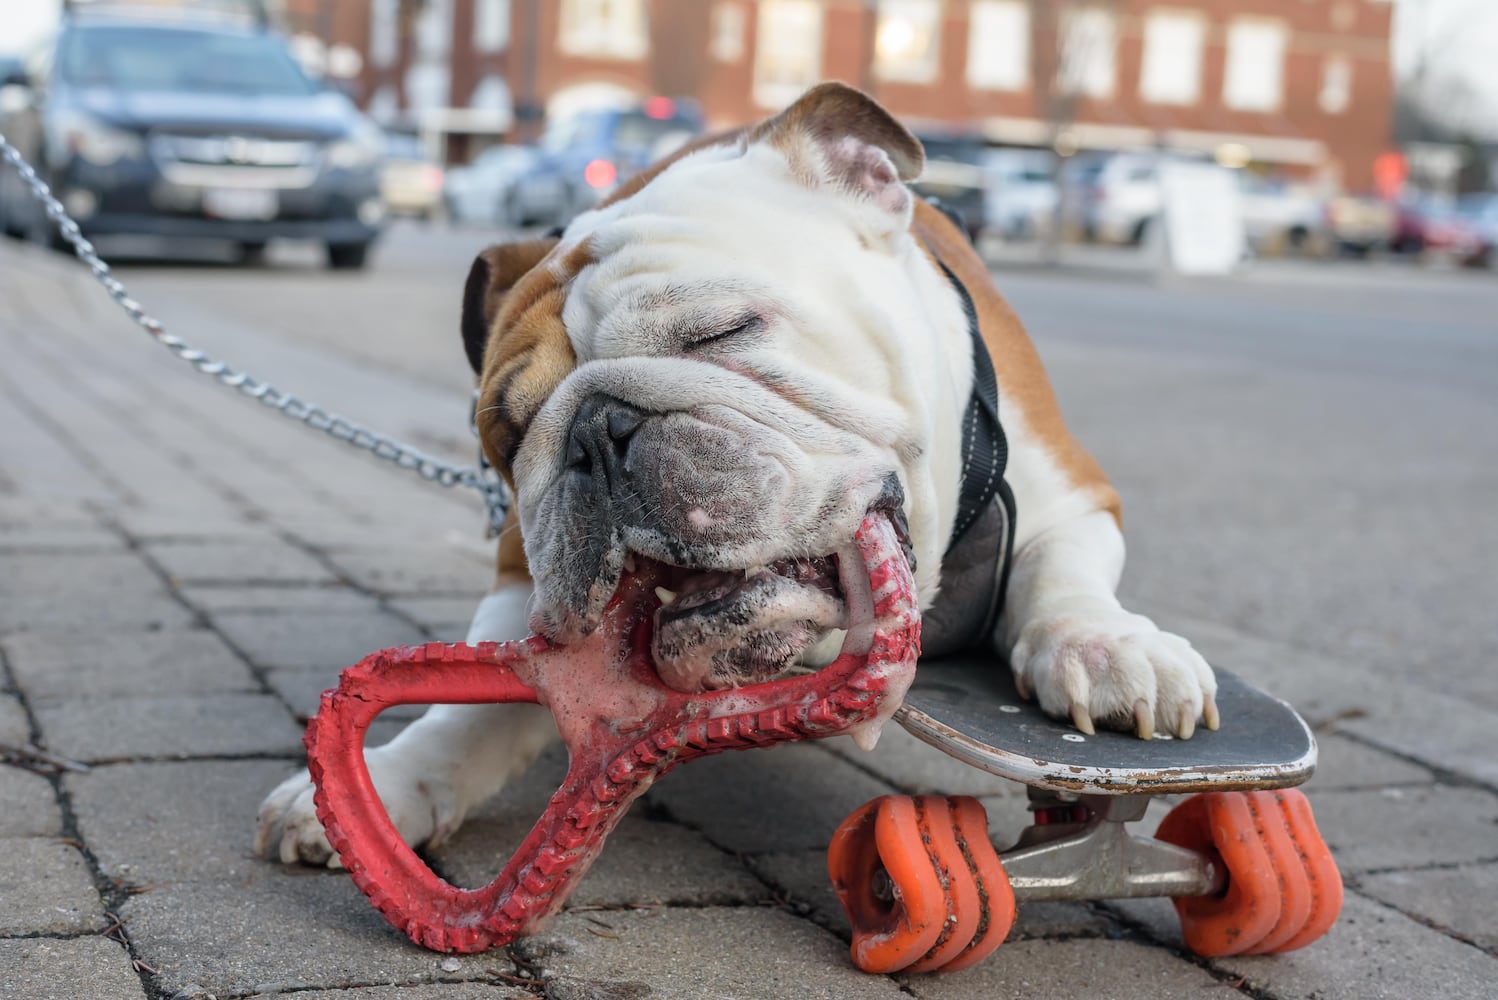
(1112, 198)
(487, 191)
(1020, 194)
(1279, 216)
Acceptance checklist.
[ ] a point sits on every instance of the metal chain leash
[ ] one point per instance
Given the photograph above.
(481, 477)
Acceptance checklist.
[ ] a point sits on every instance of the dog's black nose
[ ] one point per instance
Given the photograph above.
(600, 435)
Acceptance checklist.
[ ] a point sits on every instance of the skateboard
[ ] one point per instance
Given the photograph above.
(926, 889)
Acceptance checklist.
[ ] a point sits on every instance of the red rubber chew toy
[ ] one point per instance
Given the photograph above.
(622, 726)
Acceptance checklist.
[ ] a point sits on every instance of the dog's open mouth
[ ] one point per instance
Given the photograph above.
(722, 628)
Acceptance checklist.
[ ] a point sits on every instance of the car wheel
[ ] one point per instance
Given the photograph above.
(252, 253)
(1140, 233)
(348, 256)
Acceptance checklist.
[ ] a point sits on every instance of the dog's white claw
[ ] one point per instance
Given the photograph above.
(1144, 720)
(1209, 714)
(1081, 719)
(1187, 725)
(1023, 687)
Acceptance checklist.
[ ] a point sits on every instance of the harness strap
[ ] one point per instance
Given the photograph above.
(985, 449)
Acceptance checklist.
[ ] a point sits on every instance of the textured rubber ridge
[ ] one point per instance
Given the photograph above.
(613, 761)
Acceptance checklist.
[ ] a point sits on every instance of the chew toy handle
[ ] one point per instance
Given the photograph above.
(431, 911)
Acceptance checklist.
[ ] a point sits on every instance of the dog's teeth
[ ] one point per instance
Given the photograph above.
(629, 562)
(666, 596)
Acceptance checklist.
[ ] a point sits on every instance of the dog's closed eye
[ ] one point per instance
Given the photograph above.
(751, 323)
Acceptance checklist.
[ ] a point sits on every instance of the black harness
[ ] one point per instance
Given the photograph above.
(975, 567)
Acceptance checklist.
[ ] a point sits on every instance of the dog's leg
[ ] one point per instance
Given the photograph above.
(1070, 642)
(438, 768)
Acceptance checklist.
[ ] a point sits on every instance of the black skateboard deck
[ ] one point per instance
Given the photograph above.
(966, 706)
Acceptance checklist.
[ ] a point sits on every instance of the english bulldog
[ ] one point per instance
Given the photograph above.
(712, 378)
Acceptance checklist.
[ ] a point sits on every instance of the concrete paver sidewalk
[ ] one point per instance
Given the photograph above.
(181, 572)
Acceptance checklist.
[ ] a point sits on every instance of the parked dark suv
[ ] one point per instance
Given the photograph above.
(190, 126)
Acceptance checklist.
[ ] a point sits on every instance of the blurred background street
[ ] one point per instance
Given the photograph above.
(1256, 244)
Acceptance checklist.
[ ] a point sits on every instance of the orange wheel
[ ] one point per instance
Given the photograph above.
(995, 894)
(887, 884)
(1323, 881)
(921, 884)
(1222, 824)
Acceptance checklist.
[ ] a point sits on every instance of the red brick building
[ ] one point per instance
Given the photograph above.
(1301, 85)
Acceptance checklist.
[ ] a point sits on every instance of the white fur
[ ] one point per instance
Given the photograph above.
(1064, 632)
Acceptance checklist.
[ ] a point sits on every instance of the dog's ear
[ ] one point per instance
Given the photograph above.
(838, 134)
(495, 271)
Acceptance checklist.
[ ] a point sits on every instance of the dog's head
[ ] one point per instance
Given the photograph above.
(711, 379)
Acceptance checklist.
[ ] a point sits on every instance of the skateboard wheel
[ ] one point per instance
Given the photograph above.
(921, 883)
(1283, 890)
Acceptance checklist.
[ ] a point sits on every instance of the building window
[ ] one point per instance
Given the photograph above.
(787, 50)
(382, 32)
(608, 29)
(728, 32)
(491, 25)
(1089, 43)
(998, 45)
(1254, 80)
(1172, 58)
(907, 41)
(1336, 85)
(434, 29)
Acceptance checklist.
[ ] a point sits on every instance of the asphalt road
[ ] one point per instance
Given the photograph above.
(1306, 453)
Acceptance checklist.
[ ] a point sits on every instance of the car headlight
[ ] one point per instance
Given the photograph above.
(97, 142)
(360, 148)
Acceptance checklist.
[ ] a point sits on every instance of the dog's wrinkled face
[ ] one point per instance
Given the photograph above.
(711, 381)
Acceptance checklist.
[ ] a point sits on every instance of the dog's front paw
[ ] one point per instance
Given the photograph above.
(423, 810)
(1088, 661)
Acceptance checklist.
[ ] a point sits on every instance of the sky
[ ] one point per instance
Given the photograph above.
(1458, 36)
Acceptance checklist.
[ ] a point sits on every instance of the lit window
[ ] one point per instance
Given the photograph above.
(1088, 41)
(788, 50)
(382, 38)
(1254, 80)
(609, 29)
(728, 32)
(491, 25)
(1172, 58)
(998, 45)
(1336, 85)
(907, 42)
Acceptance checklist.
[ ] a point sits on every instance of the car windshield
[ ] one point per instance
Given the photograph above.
(952, 148)
(181, 60)
(638, 133)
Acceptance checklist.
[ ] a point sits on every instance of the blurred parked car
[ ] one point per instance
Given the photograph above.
(1278, 216)
(1482, 211)
(1453, 235)
(1112, 197)
(954, 175)
(410, 182)
(490, 190)
(1360, 224)
(171, 123)
(1020, 193)
(587, 154)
